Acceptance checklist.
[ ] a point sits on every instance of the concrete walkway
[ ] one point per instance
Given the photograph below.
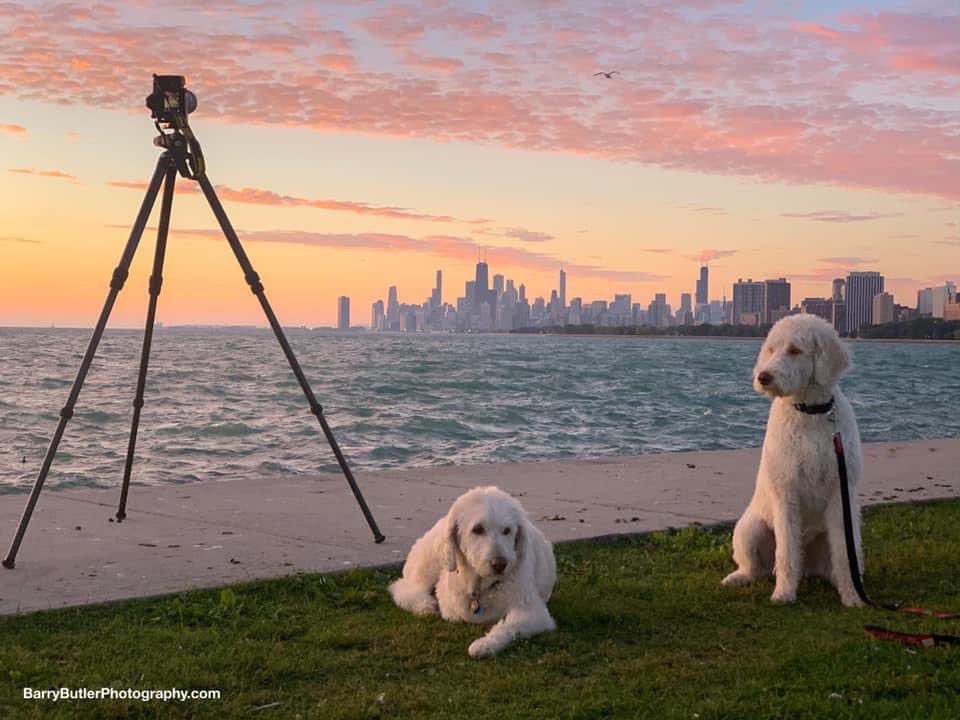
(213, 533)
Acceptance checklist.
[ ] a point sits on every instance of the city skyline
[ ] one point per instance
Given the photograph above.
(379, 139)
(857, 298)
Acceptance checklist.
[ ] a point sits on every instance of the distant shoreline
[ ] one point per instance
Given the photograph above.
(300, 328)
(916, 341)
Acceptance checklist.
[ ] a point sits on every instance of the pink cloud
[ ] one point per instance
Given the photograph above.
(819, 30)
(43, 173)
(450, 246)
(340, 62)
(927, 63)
(256, 196)
(18, 240)
(395, 24)
(711, 254)
(415, 59)
(904, 41)
(854, 102)
(518, 233)
(840, 216)
(13, 129)
(705, 209)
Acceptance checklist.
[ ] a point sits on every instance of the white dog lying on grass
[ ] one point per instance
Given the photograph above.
(793, 526)
(483, 563)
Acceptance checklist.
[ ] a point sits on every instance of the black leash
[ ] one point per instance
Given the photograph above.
(874, 631)
(852, 558)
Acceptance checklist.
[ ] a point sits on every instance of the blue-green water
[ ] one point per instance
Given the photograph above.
(224, 404)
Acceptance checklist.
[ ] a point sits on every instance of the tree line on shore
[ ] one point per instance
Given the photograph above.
(705, 330)
(924, 328)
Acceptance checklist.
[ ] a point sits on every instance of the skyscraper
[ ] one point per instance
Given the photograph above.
(436, 298)
(925, 301)
(839, 298)
(839, 289)
(563, 289)
(748, 302)
(821, 307)
(482, 280)
(942, 296)
(933, 301)
(621, 309)
(703, 290)
(393, 310)
(862, 288)
(470, 294)
(377, 318)
(776, 300)
(882, 309)
(482, 293)
(343, 313)
(685, 313)
(658, 310)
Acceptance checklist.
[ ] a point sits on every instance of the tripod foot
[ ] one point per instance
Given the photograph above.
(9, 563)
(121, 516)
(379, 538)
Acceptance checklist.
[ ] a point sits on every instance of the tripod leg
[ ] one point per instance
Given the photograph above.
(254, 281)
(156, 281)
(116, 283)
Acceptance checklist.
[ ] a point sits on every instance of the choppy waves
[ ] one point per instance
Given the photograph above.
(223, 404)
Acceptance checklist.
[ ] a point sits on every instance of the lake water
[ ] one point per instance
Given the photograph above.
(223, 403)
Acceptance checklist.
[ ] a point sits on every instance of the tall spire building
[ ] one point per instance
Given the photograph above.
(436, 298)
(703, 289)
(482, 292)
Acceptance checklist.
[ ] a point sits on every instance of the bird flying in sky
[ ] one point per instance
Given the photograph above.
(607, 75)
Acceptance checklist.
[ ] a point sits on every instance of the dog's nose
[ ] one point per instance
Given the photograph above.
(499, 564)
(764, 378)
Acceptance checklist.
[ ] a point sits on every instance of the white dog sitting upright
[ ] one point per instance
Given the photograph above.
(793, 526)
(483, 563)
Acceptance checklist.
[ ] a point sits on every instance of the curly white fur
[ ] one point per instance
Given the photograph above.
(793, 526)
(483, 563)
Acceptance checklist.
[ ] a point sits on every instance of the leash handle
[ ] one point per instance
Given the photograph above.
(928, 613)
(915, 639)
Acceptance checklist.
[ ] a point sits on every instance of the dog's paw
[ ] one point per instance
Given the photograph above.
(427, 606)
(852, 600)
(736, 579)
(483, 647)
(783, 597)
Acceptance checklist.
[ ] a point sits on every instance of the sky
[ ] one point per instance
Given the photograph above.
(359, 145)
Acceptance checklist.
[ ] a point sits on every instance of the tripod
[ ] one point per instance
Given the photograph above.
(173, 158)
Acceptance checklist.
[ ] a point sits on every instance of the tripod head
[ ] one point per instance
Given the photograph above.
(170, 103)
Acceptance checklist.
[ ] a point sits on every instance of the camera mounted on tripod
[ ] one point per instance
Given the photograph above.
(169, 104)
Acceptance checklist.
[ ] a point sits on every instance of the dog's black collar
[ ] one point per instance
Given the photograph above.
(815, 409)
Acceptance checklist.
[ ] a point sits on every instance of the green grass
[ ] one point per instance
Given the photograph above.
(645, 630)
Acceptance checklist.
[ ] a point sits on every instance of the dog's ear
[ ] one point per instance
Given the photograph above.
(452, 544)
(520, 541)
(831, 358)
